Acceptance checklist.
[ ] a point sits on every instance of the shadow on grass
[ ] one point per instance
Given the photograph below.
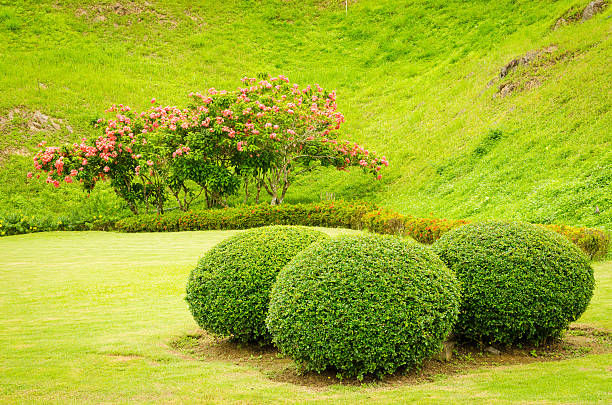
(578, 341)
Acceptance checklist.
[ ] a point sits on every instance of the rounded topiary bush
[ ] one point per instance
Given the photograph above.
(520, 282)
(364, 304)
(228, 291)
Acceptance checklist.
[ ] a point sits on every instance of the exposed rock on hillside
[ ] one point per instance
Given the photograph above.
(526, 59)
(530, 70)
(573, 15)
(593, 8)
(24, 121)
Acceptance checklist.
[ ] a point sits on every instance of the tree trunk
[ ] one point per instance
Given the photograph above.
(258, 192)
(246, 189)
(133, 208)
(274, 194)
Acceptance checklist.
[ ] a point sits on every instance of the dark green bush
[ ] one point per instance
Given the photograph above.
(364, 304)
(520, 282)
(228, 291)
(354, 215)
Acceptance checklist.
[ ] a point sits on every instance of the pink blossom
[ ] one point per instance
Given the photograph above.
(150, 162)
(106, 169)
(153, 100)
(30, 175)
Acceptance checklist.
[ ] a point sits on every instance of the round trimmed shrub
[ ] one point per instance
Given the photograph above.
(520, 282)
(364, 304)
(228, 292)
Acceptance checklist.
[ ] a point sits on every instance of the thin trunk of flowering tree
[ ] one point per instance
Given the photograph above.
(188, 196)
(276, 184)
(123, 188)
(213, 198)
(259, 185)
(277, 180)
(246, 189)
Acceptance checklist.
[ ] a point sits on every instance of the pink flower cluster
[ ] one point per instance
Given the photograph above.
(272, 115)
(181, 150)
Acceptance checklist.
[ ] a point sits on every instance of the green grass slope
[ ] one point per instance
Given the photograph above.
(417, 81)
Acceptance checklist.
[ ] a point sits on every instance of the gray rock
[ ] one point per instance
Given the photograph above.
(594, 7)
(40, 118)
(560, 23)
(492, 350)
(446, 354)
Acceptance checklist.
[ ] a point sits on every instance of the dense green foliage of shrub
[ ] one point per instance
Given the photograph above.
(228, 291)
(353, 215)
(364, 304)
(520, 283)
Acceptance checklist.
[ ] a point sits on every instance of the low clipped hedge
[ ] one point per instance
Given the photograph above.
(353, 215)
(332, 214)
(338, 214)
(365, 304)
(18, 224)
(520, 282)
(228, 291)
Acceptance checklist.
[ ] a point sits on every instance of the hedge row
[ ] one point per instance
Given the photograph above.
(353, 215)
(18, 224)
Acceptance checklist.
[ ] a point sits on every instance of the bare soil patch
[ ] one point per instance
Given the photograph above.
(135, 10)
(32, 120)
(124, 357)
(579, 341)
(25, 122)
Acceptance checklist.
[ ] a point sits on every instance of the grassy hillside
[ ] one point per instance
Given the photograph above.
(417, 81)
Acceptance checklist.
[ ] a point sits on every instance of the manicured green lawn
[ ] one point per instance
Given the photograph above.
(86, 317)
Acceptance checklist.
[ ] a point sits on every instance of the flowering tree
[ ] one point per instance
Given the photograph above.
(112, 155)
(281, 131)
(269, 130)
